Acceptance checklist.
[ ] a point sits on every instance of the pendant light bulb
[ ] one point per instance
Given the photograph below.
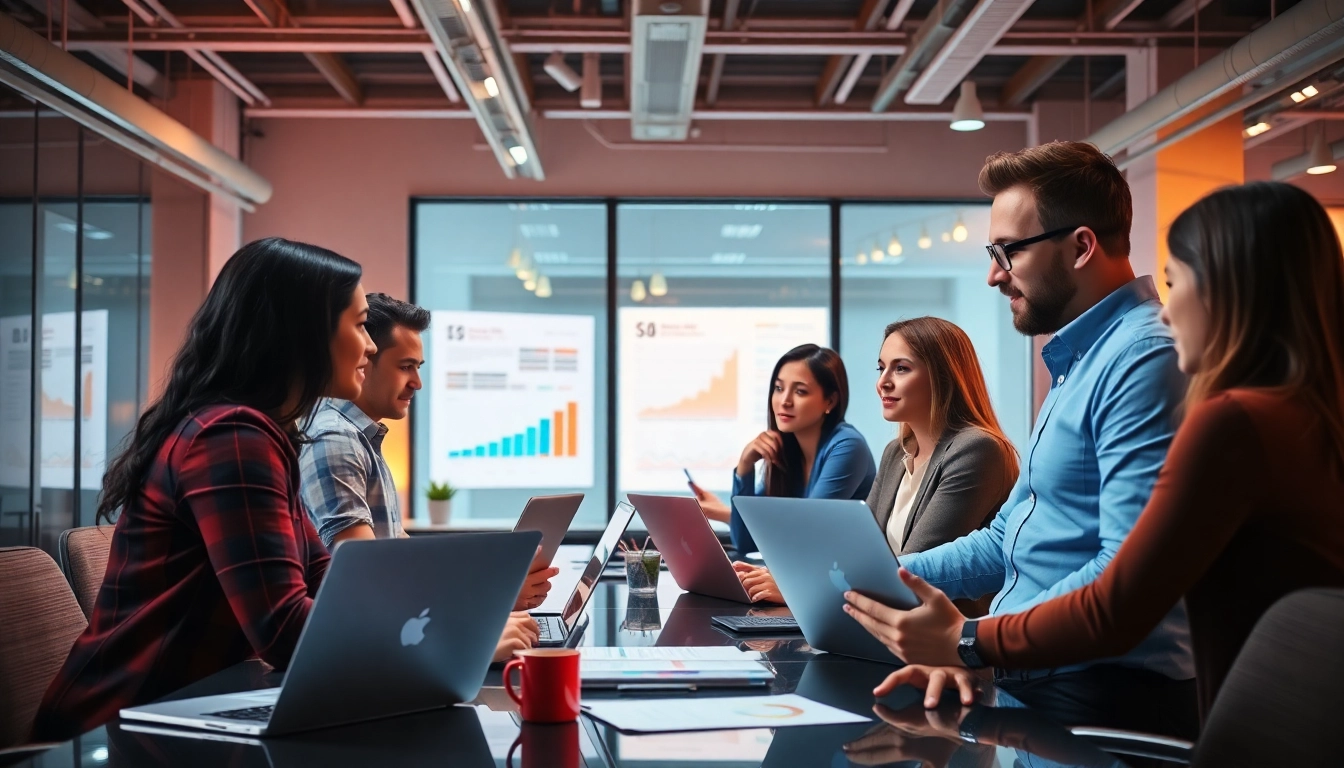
(1320, 160)
(530, 284)
(968, 115)
(925, 242)
(657, 284)
(862, 258)
(894, 247)
(877, 254)
(637, 291)
(544, 287)
(959, 231)
(515, 259)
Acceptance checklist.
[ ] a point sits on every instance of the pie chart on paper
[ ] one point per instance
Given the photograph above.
(769, 711)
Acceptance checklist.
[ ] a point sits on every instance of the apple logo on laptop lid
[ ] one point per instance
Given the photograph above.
(838, 578)
(413, 631)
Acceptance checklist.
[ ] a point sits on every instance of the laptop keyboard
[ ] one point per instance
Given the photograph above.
(256, 714)
(761, 622)
(549, 630)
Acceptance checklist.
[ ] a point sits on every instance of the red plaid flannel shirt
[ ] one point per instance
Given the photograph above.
(215, 562)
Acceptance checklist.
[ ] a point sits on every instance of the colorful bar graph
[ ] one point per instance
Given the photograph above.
(556, 436)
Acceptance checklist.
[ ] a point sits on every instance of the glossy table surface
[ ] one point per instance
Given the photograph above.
(997, 731)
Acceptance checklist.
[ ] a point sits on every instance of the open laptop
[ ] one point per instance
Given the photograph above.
(689, 546)
(561, 630)
(817, 549)
(399, 608)
(551, 515)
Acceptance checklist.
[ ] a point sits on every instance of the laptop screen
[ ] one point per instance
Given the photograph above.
(605, 546)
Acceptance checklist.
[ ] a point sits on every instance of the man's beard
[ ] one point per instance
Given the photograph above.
(1042, 313)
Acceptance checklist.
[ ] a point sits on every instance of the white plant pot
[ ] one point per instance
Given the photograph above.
(440, 511)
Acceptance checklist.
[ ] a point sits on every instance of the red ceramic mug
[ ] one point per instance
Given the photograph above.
(548, 686)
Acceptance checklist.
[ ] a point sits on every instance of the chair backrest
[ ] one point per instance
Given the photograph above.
(39, 621)
(1277, 706)
(84, 553)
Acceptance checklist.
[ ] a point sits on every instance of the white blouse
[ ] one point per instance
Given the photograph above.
(905, 502)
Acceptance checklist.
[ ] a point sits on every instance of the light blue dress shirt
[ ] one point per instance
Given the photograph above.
(1096, 448)
(842, 469)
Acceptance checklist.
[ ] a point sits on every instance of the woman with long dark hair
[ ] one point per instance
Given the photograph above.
(808, 448)
(1247, 507)
(213, 558)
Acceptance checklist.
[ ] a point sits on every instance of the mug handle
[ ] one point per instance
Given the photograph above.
(508, 680)
(508, 758)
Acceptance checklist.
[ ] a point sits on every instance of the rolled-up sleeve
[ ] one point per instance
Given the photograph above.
(335, 475)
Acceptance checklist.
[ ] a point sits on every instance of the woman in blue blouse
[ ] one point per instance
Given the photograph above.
(809, 450)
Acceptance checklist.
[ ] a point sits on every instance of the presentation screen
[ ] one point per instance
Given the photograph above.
(511, 400)
(694, 385)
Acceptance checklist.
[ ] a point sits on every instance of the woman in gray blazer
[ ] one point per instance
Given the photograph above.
(950, 466)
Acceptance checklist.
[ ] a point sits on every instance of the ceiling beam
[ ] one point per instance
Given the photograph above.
(152, 12)
(838, 66)
(274, 14)
(1183, 12)
(141, 73)
(730, 8)
(733, 113)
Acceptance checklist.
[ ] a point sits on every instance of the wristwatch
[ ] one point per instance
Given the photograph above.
(968, 648)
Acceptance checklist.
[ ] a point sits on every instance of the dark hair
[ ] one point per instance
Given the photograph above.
(1269, 267)
(265, 328)
(1074, 184)
(829, 371)
(386, 313)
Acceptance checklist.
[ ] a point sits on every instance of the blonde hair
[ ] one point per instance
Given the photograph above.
(960, 398)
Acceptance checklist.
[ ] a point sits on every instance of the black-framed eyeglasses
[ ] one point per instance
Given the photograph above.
(1000, 252)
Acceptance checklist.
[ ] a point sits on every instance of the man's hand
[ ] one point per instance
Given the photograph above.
(520, 633)
(536, 586)
(933, 680)
(927, 634)
(758, 582)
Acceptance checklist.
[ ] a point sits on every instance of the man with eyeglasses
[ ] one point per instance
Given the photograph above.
(1059, 231)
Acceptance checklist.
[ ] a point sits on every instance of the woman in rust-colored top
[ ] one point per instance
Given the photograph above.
(1250, 504)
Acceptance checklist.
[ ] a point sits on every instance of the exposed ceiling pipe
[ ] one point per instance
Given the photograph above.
(939, 27)
(1298, 39)
(50, 76)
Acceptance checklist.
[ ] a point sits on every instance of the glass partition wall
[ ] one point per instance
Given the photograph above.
(611, 346)
(74, 304)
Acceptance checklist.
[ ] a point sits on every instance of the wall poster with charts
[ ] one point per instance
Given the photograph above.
(58, 399)
(511, 400)
(694, 383)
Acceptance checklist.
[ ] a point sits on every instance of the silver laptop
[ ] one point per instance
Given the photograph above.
(392, 631)
(689, 546)
(551, 515)
(817, 549)
(562, 630)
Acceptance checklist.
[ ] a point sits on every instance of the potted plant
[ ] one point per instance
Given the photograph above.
(440, 497)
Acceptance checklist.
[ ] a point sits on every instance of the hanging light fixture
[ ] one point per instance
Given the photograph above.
(515, 259)
(894, 246)
(657, 285)
(527, 269)
(530, 283)
(925, 242)
(861, 259)
(877, 254)
(1320, 160)
(959, 231)
(946, 237)
(968, 115)
(637, 291)
(544, 287)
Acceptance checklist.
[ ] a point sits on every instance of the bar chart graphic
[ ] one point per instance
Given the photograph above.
(511, 400)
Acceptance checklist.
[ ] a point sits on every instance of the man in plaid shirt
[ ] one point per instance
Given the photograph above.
(346, 484)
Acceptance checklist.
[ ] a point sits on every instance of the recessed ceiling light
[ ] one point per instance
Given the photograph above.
(491, 87)
(1257, 129)
(740, 231)
(1297, 96)
(519, 154)
(1310, 91)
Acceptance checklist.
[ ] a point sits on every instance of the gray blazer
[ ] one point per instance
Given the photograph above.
(965, 484)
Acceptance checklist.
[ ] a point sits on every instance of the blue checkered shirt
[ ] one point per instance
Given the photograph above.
(345, 481)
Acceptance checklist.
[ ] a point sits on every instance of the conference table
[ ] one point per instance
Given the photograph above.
(997, 731)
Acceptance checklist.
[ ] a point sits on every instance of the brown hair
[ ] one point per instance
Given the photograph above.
(1074, 184)
(960, 398)
(829, 371)
(1270, 270)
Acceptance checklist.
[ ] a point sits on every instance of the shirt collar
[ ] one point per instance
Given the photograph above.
(1077, 337)
(371, 429)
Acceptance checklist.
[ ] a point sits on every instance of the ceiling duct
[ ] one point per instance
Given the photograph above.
(667, 38)
(1306, 37)
(927, 42)
(466, 34)
(980, 31)
(48, 75)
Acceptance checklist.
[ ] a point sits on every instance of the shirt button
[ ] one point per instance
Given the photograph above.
(1060, 380)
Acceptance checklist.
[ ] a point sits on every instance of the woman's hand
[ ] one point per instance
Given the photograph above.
(927, 634)
(520, 633)
(711, 505)
(536, 586)
(758, 582)
(934, 680)
(767, 445)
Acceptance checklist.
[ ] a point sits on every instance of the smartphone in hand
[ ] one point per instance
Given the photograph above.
(689, 480)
